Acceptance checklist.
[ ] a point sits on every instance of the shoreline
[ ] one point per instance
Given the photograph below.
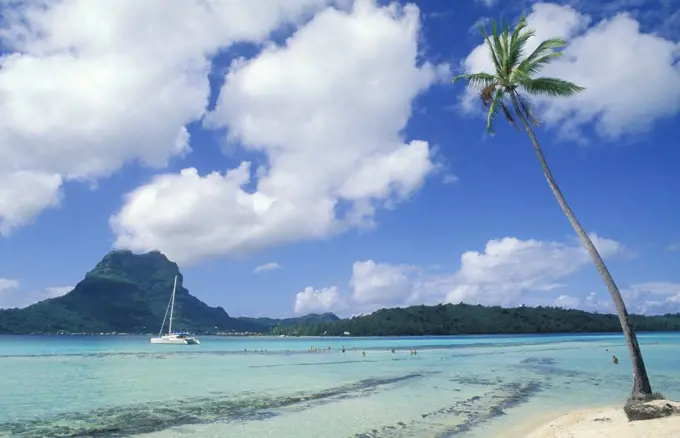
(270, 335)
(529, 425)
(596, 422)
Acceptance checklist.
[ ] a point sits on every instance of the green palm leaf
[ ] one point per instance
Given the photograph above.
(550, 87)
(496, 102)
(513, 71)
(478, 80)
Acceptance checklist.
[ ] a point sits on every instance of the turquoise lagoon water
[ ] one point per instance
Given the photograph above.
(463, 386)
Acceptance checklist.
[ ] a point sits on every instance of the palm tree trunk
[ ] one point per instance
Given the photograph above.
(641, 385)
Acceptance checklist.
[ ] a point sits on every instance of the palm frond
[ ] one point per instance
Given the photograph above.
(545, 47)
(543, 54)
(550, 87)
(497, 45)
(535, 66)
(520, 36)
(495, 102)
(505, 38)
(506, 47)
(489, 44)
(478, 80)
(521, 25)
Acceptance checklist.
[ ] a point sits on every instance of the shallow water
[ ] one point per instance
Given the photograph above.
(463, 386)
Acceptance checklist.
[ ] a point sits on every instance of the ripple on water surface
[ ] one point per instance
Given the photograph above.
(467, 386)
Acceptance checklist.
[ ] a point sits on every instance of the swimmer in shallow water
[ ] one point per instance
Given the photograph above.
(615, 360)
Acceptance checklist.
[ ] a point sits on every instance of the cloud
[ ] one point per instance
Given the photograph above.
(313, 300)
(629, 85)
(328, 166)
(653, 297)
(373, 285)
(88, 87)
(381, 284)
(503, 274)
(567, 302)
(8, 285)
(267, 267)
(591, 303)
(25, 194)
(12, 296)
(509, 268)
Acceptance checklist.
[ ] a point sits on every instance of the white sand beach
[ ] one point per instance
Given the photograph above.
(609, 422)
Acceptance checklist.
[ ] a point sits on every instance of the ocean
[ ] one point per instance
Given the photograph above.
(462, 386)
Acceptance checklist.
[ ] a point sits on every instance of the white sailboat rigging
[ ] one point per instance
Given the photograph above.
(172, 338)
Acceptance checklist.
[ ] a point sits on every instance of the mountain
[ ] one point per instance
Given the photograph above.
(312, 318)
(126, 293)
(455, 319)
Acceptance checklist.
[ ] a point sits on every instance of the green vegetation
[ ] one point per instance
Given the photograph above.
(129, 293)
(465, 319)
(125, 293)
(515, 72)
(311, 319)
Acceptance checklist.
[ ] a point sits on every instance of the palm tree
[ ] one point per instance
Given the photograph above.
(515, 72)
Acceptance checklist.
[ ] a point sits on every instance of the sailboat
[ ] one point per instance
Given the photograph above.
(172, 338)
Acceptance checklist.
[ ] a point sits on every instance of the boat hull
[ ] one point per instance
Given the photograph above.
(166, 340)
(176, 340)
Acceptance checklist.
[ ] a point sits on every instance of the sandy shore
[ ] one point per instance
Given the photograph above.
(608, 422)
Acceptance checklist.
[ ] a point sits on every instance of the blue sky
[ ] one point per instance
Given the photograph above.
(371, 181)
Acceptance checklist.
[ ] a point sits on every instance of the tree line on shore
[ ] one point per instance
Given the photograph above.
(465, 319)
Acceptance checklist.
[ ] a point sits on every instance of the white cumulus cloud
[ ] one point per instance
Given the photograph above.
(313, 300)
(631, 78)
(503, 274)
(591, 303)
(653, 297)
(381, 284)
(327, 110)
(23, 195)
(266, 267)
(510, 267)
(649, 298)
(87, 86)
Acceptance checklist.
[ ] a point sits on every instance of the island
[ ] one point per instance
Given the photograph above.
(127, 293)
(466, 319)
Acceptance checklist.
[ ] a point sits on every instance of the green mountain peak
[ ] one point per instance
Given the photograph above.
(125, 292)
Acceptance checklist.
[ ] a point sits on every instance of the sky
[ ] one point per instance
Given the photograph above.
(297, 156)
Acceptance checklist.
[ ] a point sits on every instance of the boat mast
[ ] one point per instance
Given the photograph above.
(172, 305)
